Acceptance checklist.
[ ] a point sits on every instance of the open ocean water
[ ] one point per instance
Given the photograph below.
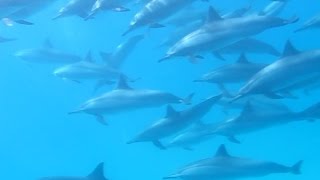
(39, 138)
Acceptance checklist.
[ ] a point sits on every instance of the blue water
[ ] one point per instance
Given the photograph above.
(38, 138)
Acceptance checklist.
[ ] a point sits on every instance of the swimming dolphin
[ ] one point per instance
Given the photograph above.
(47, 54)
(156, 11)
(117, 58)
(19, 11)
(124, 98)
(249, 45)
(88, 70)
(274, 8)
(238, 72)
(174, 121)
(253, 119)
(3, 39)
(96, 174)
(313, 23)
(223, 166)
(218, 33)
(79, 8)
(111, 5)
(293, 67)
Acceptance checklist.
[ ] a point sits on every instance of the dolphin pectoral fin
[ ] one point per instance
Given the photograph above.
(234, 140)
(101, 119)
(156, 25)
(24, 22)
(83, 15)
(296, 168)
(195, 59)
(159, 145)
(272, 95)
(120, 9)
(218, 56)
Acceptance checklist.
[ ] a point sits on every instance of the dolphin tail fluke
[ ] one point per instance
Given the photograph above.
(188, 100)
(296, 169)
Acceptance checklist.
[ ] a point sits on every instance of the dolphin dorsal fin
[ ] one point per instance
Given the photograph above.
(243, 59)
(289, 49)
(97, 173)
(213, 15)
(122, 83)
(247, 110)
(222, 151)
(88, 57)
(47, 43)
(171, 111)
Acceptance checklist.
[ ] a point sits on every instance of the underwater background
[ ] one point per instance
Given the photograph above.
(38, 138)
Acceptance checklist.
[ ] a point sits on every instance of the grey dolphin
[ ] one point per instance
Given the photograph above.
(47, 54)
(88, 70)
(274, 8)
(223, 166)
(111, 5)
(156, 11)
(117, 58)
(253, 119)
(174, 121)
(124, 98)
(249, 45)
(4, 39)
(218, 33)
(293, 67)
(79, 8)
(96, 174)
(313, 23)
(238, 72)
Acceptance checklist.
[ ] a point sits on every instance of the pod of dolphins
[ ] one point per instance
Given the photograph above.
(196, 33)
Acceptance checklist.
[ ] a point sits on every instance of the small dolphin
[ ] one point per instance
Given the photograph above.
(3, 39)
(274, 8)
(218, 33)
(111, 5)
(117, 58)
(96, 174)
(79, 8)
(253, 119)
(124, 98)
(238, 72)
(47, 55)
(174, 121)
(293, 67)
(156, 11)
(86, 70)
(313, 23)
(223, 166)
(249, 45)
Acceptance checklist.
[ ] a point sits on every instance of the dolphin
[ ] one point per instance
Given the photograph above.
(238, 72)
(47, 54)
(4, 39)
(156, 11)
(96, 174)
(274, 8)
(124, 98)
(218, 33)
(223, 166)
(294, 66)
(253, 119)
(249, 45)
(174, 121)
(117, 58)
(313, 23)
(104, 5)
(19, 11)
(79, 8)
(86, 70)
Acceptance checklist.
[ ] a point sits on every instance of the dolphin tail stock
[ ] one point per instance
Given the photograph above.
(296, 168)
(188, 100)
